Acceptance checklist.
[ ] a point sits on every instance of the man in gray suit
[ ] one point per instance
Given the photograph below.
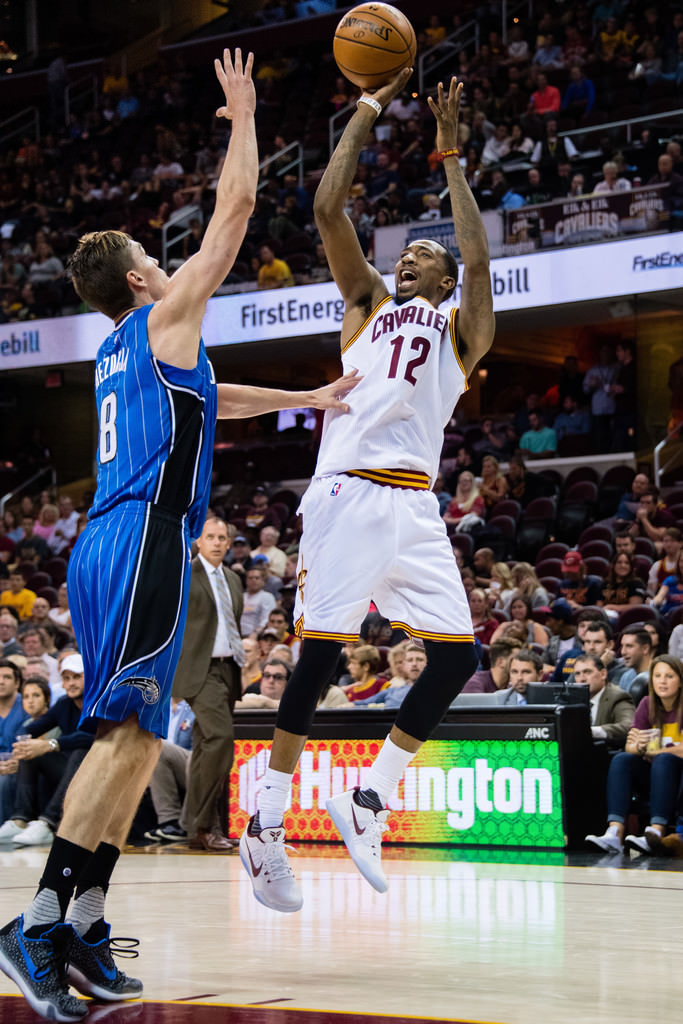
(611, 707)
(208, 678)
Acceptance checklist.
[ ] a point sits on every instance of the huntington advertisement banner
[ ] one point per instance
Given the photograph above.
(589, 218)
(623, 268)
(470, 791)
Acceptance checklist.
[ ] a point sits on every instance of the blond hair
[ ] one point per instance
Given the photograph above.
(98, 270)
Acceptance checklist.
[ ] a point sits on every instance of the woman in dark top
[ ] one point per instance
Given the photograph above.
(622, 587)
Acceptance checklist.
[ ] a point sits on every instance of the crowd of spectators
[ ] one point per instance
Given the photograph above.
(143, 155)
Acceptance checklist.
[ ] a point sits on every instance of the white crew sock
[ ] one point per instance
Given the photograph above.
(387, 769)
(272, 799)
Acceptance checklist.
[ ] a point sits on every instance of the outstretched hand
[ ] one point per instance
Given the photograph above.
(330, 395)
(386, 93)
(236, 83)
(446, 110)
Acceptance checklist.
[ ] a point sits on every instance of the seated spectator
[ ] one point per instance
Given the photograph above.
(667, 176)
(520, 612)
(467, 501)
(622, 587)
(523, 486)
(564, 666)
(502, 195)
(611, 181)
(517, 48)
(9, 622)
(273, 273)
(51, 763)
(47, 520)
(667, 564)
(612, 710)
(599, 641)
(482, 621)
(525, 667)
(497, 147)
(277, 620)
(17, 596)
(395, 659)
(579, 96)
(483, 561)
(31, 548)
(258, 603)
(463, 461)
(439, 489)
(676, 642)
(527, 584)
(168, 785)
(546, 98)
(493, 485)
(61, 616)
(239, 556)
(552, 150)
(652, 518)
(497, 676)
(577, 186)
(549, 54)
(637, 651)
(652, 763)
(577, 587)
(520, 146)
(414, 663)
(333, 697)
(251, 670)
(502, 587)
(562, 629)
(13, 526)
(629, 502)
(277, 560)
(259, 514)
(539, 442)
(610, 43)
(36, 643)
(669, 597)
(274, 678)
(572, 421)
(363, 663)
(12, 717)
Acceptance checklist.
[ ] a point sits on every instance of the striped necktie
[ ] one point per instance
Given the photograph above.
(229, 619)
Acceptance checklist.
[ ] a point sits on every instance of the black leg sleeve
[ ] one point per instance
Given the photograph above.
(312, 672)
(449, 666)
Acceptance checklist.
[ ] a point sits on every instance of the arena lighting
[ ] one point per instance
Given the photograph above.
(483, 374)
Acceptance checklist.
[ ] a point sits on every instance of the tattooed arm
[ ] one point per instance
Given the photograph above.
(476, 322)
(360, 284)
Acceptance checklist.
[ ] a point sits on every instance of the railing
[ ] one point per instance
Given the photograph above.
(646, 119)
(7, 498)
(334, 130)
(658, 468)
(430, 60)
(297, 162)
(29, 124)
(179, 224)
(78, 92)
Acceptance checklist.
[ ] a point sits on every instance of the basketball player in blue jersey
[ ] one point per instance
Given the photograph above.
(373, 483)
(129, 573)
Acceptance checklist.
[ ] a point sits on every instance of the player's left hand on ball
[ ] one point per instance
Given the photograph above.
(330, 396)
(236, 82)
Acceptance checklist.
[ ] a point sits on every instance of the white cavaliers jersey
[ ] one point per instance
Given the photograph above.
(412, 379)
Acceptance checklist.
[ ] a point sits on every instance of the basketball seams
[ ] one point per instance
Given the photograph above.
(370, 74)
(372, 46)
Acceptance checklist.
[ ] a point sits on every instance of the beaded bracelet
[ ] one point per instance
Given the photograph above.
(445, 153)
(377, 107)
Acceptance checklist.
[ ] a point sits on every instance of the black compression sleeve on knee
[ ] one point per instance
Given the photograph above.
(311, 673)
(449, 666)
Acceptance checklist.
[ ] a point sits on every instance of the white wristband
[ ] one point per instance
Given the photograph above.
(371, 102)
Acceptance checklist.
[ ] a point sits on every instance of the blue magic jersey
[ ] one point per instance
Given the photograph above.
(157, 426)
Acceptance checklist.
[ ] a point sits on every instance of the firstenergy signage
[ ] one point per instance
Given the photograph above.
(493, 792)
(631, 266)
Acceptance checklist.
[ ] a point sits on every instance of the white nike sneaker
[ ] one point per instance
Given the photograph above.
(361, 829)
(9, 829)
(36, 833)
(609, 842)
(265, 860)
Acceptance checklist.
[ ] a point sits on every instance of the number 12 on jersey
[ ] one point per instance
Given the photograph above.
(108, 428)
(419, 345)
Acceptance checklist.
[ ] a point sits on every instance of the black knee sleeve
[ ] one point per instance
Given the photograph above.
(449, 666)
(311, 674)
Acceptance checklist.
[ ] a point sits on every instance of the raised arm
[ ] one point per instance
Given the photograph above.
(175, 321)
(360, 284)
(476, 322)
(236, 401)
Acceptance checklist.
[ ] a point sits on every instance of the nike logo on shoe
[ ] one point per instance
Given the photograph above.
(34, 973)
(108, 972)
(359, 831)
(254, 870)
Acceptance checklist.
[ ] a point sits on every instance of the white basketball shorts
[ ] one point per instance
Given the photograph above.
(365, 541)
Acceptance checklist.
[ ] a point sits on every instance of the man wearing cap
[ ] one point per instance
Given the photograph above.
(577, 587)
(239, 557)
(258, 603)
(208, 677)
(51, 763)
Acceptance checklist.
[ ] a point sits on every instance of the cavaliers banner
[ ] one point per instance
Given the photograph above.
(589, 218)
(494, 792)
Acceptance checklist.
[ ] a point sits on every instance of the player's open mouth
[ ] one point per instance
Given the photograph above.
(407, 275)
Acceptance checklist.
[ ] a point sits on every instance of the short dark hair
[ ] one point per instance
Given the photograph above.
(11, 609)
(41, 682)
(98, 271)
(7, 663)
(502, 648)
(280, 664)
(591, 615)
(593, 658)
(527, 655)
(637, 630)
(601, 625)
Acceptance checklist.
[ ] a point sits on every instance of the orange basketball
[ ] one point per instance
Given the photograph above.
(372, 43)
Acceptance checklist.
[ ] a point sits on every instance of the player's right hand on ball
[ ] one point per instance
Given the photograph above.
(386, 93)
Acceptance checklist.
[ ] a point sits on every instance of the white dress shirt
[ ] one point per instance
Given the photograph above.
(221, 644)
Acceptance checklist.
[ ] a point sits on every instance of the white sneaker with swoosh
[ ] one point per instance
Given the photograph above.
(361, 829)
(264, 856)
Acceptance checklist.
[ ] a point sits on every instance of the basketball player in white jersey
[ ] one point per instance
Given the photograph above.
(371, 496)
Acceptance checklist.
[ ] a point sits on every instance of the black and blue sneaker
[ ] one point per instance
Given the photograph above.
(93, 972)
(38, 967)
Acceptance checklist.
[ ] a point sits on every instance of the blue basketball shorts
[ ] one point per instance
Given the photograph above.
(128, 583)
